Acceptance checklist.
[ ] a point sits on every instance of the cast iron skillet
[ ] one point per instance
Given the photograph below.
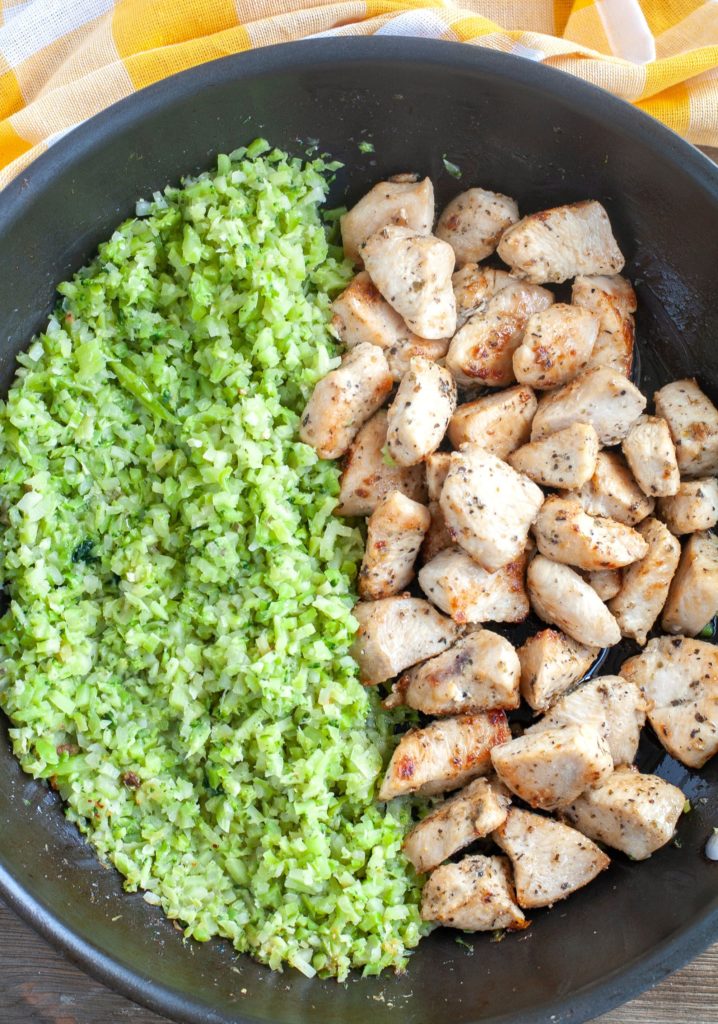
(509, 125)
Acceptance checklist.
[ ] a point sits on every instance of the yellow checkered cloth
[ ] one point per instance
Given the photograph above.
(61, 61)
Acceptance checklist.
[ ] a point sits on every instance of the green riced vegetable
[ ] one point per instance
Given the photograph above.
(176, 643)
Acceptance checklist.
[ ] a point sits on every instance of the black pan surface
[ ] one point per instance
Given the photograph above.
(509, 125)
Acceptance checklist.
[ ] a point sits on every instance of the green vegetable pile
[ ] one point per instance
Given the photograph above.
(175, 650)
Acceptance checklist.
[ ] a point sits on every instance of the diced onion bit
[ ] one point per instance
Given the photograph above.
(176, 647)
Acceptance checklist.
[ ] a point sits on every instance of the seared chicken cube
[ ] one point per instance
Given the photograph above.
(473, 222)
(410, 203)
(395, 633)
(445, 755)
(420, 412)
(437, 466)
(557, 344)
(566, 459)
(551, 663)
(481, 352)
(601, 397)
(362, 314)
(468, 593)
(472, 813)
(643, 593)
(437, 537)
(550, 860)
(499, 422)
(651, 454)
(562, 598)
(614, 301)
(395, 532)
(606, 582)
(693, 597)
(413, 273)
(488, 506)
(692, 508)
(557, 244)
(613, 492)
(400, 355)
(693, 422)
(476, 895)
(679, 679)
(473, 286)
(368, 476)
(345, 399)
(634, 813)
(565, 533)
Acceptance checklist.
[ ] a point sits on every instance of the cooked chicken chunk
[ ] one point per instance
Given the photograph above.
(437, 466)
(488, 506)
(420, 413)
(499, 422)
(473, 222)
(643, 593)
(395, 633)
(395, 531)
(606, 582)
(634, 813)
(613, 492)
(437, 536)
(651, 454)
(693, 422)
(550, 860)
(480, 672)
(551, 663)
(601, 397)
(413, 273)
(557, 244)
(410, 203)
(556, 345)
(562, 598)
(367, 476)
(692, 508)
(693, 597)
(362, 314)
(549, 768)
(400, 355)
(614, 301)
(460, 587)
(565, 533)
(520, 299)
(679, 679)
(476, 895)
(472, 813)
(445, 755)
(473, 286)
(565, 459)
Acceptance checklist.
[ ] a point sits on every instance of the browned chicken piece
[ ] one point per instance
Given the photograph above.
(444, 755)
(473, 286)
(410, 203)
(395, 532)
(399, 356)
(549, 768)
(565, 533)
(367, 476)
(557, 344)
(437, 466)
(499, 422)
(555, 245)
(679, 679)
(613, 492)
(614, 705)
(362, 314)
(634, 813)
(413, 273)
(566, 459)
(437, 536)
(693, 422)
(473, 222)
(476, 895)
(460, 587)
(614, 301)
(693, 597)
(562, 598)
(643, 593)
(488, 506)
(472, 813)
(480, 672)
(651, 454)
(395, 633)
(606, 582)
(694, 507)
(420, 413)
(601, 397)
(550, 860)
(551, 663)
